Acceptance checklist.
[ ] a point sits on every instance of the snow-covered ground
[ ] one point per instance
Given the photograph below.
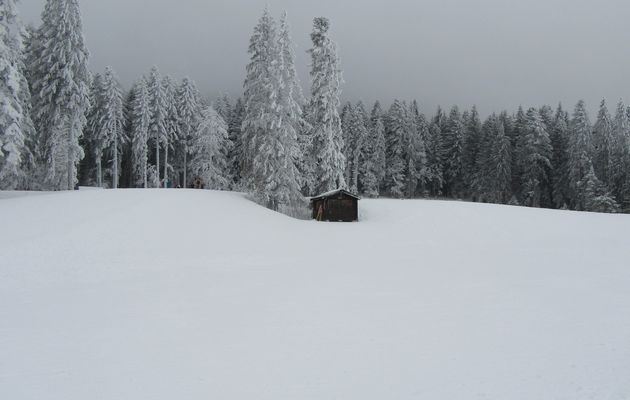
(176, 294)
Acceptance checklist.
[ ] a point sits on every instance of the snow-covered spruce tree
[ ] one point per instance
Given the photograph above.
(619, 163)
(171, 122)
(208, 154)
(60, 82)
(580, 150)
(483, 179)
(326, 135)
(595, 196)
(417, 174)
(433, 144)
(235, 153)
(159, 112)
(188, 111)
(517, 139)
(559, 136)
(269, 131)
(452, 153)
(536, 158)
(292, 99)
(15, 122)
(112, 120)
(94, 136)
(140, 117)
(602, 143)
(374, 154)
(358, 138)
(395, 139)
(223, 106)
(502, 152)
(261, 92)
(470, 150)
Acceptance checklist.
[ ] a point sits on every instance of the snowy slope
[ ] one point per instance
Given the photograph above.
(175, 294)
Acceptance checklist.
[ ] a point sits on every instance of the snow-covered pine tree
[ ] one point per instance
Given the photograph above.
(503, 165)
(326, 134)
(346, 131)
(60, 81)
(536, 165)
(208, 154)
(188, 111)
(112, 120)
(159, 113)
(559, 136)
(580, 150)
(482, 185)
(433, 144)
(261, 92)
(452, 153)
(268, 127)
(95, 137)
(293, 100)
(235, 153)
(395, 164)
(374, 154)
(140, 117)
(619, 163)
(416, 172)
(602, 143)
(171, 122)
(595, 196)
(223, 106)
(471, 147)
(359, 137)
(15, 122)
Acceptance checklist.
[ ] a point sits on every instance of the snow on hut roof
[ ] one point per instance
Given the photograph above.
(334, 192)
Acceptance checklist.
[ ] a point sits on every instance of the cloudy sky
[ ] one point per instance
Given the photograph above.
(493, 53)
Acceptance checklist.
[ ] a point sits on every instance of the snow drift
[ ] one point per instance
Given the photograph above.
(176, 294)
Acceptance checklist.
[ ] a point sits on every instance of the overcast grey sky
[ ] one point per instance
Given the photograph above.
(493, 53)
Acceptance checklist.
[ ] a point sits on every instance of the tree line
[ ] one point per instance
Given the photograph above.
(61, 125)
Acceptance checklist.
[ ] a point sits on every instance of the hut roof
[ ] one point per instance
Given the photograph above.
(334, 192)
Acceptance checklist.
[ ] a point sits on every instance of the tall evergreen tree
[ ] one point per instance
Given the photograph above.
(95, 136)
(326, 137)
(235, 154)
(171, 139)
(536, 156)
(453, 150)
(602, 143)
(580, 150)
(60, 90)
(208, 154)
(269, 124)
(374, 154)
(619, 163)
(140, 118)
(559, 137)
(159, 113)
(417, 174)
(471, 148)
(15, 122)
(188, 111)
(395, 153)
(112, 120)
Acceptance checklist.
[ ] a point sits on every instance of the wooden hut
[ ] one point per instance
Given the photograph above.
(337, 205)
